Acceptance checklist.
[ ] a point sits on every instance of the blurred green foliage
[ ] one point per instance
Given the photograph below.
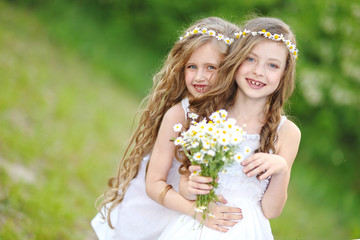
(129, 38)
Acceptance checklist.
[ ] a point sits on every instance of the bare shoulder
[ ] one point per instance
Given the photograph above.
(291, 127)
(289, 132)
(175, 114)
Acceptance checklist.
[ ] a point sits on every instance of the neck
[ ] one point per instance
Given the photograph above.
(249, 112)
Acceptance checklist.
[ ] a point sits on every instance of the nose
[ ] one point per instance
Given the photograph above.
(200, 75)
(258, 70)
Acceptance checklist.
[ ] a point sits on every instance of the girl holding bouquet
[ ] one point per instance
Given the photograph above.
(253, 84)
(125, 206)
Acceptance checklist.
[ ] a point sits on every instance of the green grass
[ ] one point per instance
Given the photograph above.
(62, 130)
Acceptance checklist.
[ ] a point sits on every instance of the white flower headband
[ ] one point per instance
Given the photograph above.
(276, 37)
(209, 32)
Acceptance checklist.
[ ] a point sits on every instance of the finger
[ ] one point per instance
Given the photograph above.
(256, 171)
(232, 216)
(217, 228)
(204, 187)
(200, 179)
(222, 199)
(227, 209)
(196, 191)
(225, 223)
(252, 165)
(250, 159)
(193, 168)
(264, 175)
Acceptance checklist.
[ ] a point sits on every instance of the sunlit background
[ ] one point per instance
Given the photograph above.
(72, 75)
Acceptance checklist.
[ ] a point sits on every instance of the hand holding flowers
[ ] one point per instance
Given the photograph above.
(213, 145)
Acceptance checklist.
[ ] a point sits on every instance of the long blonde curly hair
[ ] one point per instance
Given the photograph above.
(222, 94)
(168, 89)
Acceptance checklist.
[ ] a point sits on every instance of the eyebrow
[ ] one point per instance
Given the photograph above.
(271, 59)
(207, 63)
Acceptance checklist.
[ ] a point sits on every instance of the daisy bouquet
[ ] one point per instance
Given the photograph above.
(213, 145)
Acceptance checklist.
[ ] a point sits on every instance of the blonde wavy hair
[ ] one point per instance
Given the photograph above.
(222, 94)
(168, 89)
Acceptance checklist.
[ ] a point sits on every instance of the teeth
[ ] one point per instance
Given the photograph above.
(256, 83)
(200, 88)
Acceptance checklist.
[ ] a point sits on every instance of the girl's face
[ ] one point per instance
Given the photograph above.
(201, 69)
(260, 74)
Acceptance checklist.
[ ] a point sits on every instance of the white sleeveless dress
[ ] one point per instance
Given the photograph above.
(138, 217)
(240, 191)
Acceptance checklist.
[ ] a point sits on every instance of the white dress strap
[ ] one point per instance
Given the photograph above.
(185, 104)
(282, 120)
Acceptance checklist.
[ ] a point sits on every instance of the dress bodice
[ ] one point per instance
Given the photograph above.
(232, 179)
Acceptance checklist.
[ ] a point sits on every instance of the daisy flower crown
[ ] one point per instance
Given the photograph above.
(275, 37)
(208, 32)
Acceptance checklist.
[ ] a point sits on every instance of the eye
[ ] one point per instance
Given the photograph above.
(250, 59)
(211, 68)
(191, 67)
(274, 66)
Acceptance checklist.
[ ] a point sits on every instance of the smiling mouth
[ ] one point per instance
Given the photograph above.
(255, 84)
(201, 88)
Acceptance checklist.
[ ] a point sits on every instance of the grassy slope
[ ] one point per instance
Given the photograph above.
(62, 126)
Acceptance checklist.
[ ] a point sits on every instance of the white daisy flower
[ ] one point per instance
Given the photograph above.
(177, 127)
(212, 33)
(210, 129)
(193, 116)
(245, 32)
(227, 41)
(247, 150)
(198, 156)
(230, 124)
(194, 144)
(224, 132)
(196, 30)
(220, 36)
(200, 209)
(238, 158)
(196, 173)
(236, 139)
(214, 116)
(277, 37)
(223, 140)
(178, 141)
(206, 144)
(225, 149)
(223, 113)
(238, 129)
(211, 153)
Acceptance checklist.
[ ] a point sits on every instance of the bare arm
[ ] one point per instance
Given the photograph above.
(278, 166)
(161, 161)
